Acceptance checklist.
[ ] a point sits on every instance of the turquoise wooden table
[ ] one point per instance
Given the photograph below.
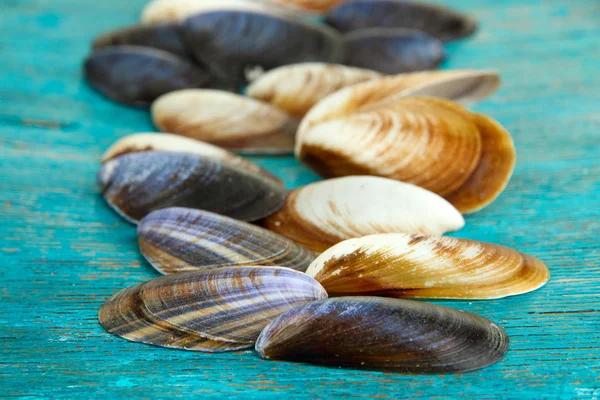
(63, 251)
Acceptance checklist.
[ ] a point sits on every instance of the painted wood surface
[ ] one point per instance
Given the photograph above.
(63, 251)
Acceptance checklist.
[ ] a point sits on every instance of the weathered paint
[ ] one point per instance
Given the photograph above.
(63, 251)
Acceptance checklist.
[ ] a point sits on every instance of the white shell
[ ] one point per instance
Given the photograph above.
(165, 11)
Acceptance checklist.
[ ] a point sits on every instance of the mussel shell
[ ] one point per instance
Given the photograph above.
(383, 334)
(437, 21)
(297, 88)
(212, 310)
(462, 86)
(393, 50)
(141, 142)
(136, 75)
(181, 239)
(233, 42)
(165, 37)
(136, 184)
(322, 214)
(225, 119)
(125, 315)
(404, 265)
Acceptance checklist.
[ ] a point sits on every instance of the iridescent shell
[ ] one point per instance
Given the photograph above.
(383, 334)
(403, 265)
(212, 310)
(136, 184)
(181, 239)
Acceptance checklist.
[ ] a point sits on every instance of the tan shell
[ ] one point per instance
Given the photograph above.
(430, 142)
(166, 11)
(225, 119)
(462, 86)
(403, 265)
(312, 6)
(322, 214)
(298, 87)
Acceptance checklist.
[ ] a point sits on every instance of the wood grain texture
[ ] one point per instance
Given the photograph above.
(63, 251)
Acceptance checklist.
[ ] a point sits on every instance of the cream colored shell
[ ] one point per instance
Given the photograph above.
(324, 213)
(166, 11)
(298, 87)
(225, 119)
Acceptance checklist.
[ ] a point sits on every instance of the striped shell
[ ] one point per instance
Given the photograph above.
(226, 119)
(383, 334)
(298, 87)
(403, 265)
(141, 142)
(393, 51)
(465, 87)
(213, 310)
(136, 184)
(322, 214)
(181, 239)
(465, 157)
(438, 21)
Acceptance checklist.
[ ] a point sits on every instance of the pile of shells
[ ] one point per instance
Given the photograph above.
(248, 264)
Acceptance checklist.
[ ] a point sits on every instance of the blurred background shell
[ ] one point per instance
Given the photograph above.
(181, 239)
(322, 214)
(383, 334)
(298, 87)
(440, 22)
(136, 75)
(404, 265)
(213, 310)
(225, 119)
(393, 50)
(136, 184)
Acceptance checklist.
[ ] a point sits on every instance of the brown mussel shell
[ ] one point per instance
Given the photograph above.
(322, 214)
(418, 266)
(297, 88)
(393, 50)
(136, 184)
(465, 157)
(181, 239)
(383, 334)
(212, 310)
(165, 37)
(232, 43)
(136, 75)
(440, 22)
(228, 120)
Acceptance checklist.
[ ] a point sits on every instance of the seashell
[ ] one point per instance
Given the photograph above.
(136, 184)
(465, 87)
(181, 239)
(383, 334)
(322, 214)
(141, 142)
(207, 310)
(234, 43)
(227, 120)
(165, 37)
(298, 87)
(440, 22)
(465, 157)
(168, 11)
(404, 265)
(393, 50)
(312, 6)
(137, 75)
